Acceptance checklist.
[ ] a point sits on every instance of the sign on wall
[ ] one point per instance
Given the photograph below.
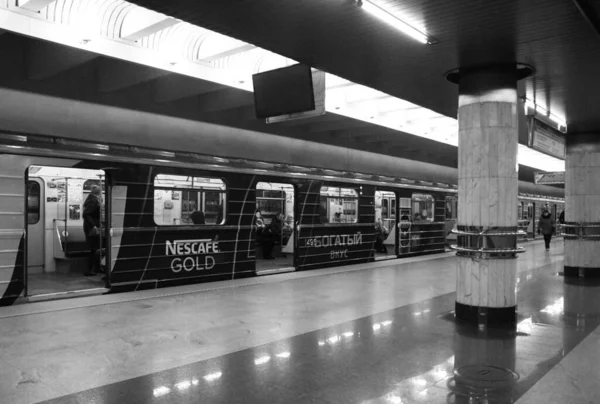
(546, 139)
(549, 178)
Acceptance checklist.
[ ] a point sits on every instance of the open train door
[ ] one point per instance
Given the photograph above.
(58, 250)
(275, 233)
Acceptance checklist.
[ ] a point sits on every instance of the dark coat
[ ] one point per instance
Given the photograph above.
(91, 213)
(276, 226)
(546, 223)
(198, 217)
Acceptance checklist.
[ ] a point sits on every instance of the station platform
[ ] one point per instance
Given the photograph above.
(377, 333)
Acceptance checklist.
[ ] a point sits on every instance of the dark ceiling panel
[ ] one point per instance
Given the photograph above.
(336, 36)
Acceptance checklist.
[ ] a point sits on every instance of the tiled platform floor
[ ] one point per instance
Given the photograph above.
(378, 333)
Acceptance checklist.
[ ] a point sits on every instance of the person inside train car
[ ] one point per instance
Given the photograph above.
(337, 217)
(417, 218)
(274, 231)
(545, 227)
(197, 217)
(381, 234)
(258, 222)
(91, 226)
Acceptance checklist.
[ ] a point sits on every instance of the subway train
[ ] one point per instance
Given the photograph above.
(178, 215)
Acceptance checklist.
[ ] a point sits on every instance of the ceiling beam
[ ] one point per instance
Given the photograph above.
(150, 29)
(239, 115)
(34, 5)
(354, 133)
(115, 75)
(228, 53)
(46, 59)
(387, 138)
(341, 124)
(174, 87)
(224, 99)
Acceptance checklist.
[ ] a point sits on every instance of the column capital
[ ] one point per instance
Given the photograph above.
(522, 71)
(490, 83)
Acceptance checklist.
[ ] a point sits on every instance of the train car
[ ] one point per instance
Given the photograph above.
(187, 213)
(152, 237)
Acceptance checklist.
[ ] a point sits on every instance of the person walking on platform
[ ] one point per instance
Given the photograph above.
(545, 226)
(91, 227)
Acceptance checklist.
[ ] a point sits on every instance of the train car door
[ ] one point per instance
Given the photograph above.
(385, 225)
(58, 250)
(35, 225)
(274, 227)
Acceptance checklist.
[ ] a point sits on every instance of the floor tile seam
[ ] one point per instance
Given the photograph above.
(205, 287)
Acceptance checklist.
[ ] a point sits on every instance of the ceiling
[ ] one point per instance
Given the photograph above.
(553, 36)
(47, 68)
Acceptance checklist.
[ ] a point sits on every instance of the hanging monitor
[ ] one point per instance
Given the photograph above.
(283, 91)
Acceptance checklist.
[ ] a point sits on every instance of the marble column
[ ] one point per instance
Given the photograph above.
(582, 206)
(487, 195)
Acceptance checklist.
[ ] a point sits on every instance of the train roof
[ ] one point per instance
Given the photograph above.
(100, 131)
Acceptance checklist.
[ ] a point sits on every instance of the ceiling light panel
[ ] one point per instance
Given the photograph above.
(386, 15)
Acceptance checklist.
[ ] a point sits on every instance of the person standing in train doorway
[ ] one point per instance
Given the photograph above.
(545, 226)
(91, 227)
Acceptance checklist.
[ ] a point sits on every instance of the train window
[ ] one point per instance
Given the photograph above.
(423, 207)
(520, 211)
(33, 202)
(451, 208)
(186, 200)
(338, 205)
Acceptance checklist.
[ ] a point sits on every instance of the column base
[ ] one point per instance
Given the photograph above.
(488, 316)
(581, 272)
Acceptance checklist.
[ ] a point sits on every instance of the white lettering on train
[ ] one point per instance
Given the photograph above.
(335, 240)
(338, 254)
(199, 261)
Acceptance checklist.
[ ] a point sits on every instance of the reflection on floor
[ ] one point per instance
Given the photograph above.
(39, 284)
(415, 353)
(279, 262)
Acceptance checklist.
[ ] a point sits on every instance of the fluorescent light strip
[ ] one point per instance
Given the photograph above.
(394, 21)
